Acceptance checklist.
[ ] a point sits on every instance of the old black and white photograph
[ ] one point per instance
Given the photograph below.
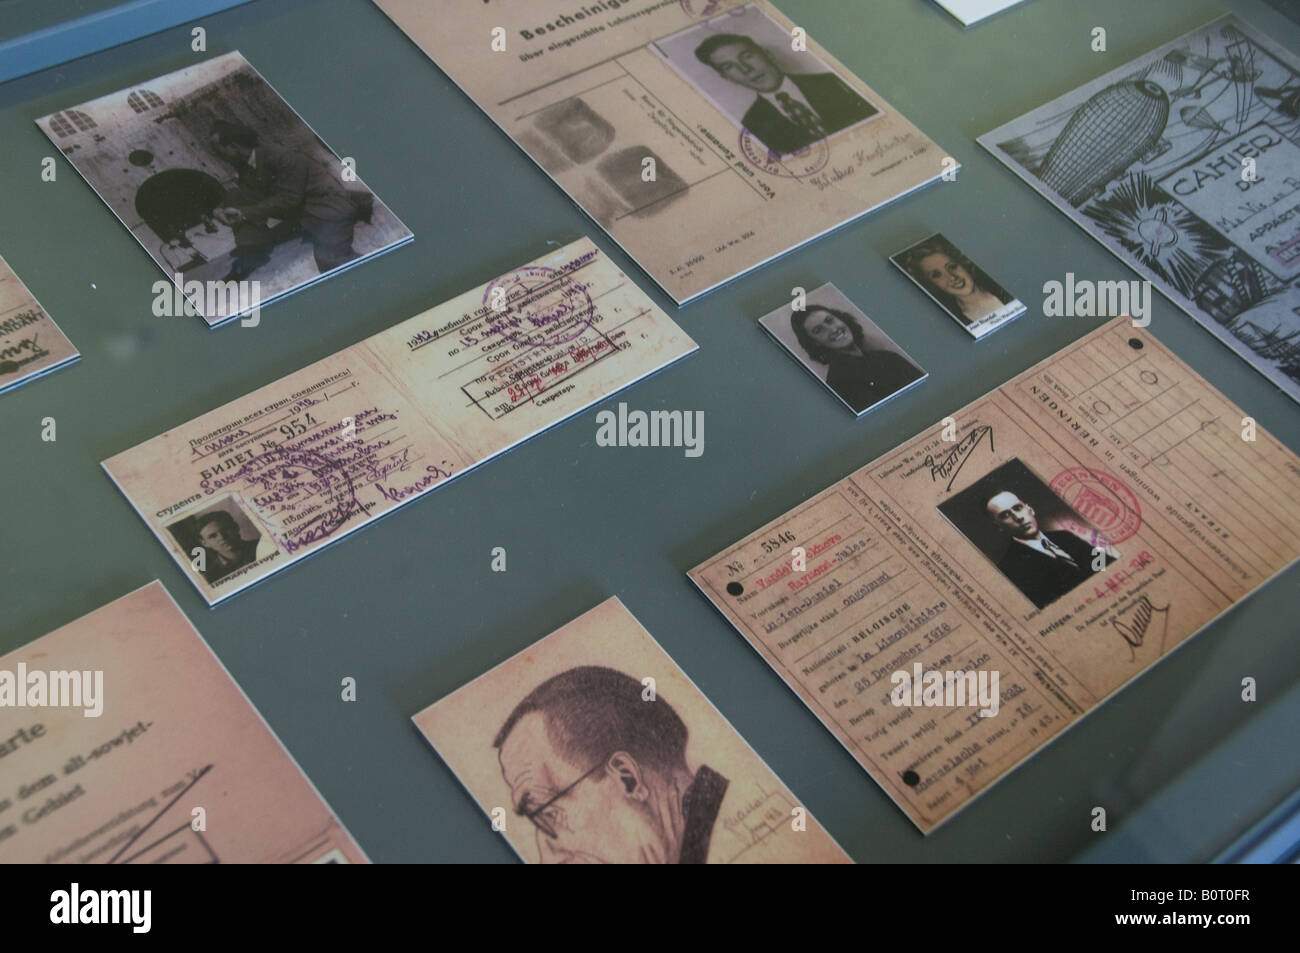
(1042, 546)
(220, 540)
(843, 348)
(955, 283)
(224, 185)
(747, 66)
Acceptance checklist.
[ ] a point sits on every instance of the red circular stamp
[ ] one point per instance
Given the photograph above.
(1102, 500)
(793, 165)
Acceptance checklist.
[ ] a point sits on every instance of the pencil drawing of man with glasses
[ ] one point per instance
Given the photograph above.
(601, 773)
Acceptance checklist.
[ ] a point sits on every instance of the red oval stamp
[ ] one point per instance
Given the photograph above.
(809, 160)
(1102, 500)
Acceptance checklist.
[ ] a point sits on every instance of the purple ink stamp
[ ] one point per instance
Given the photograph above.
(808, 161)
(538, 306)
(288, 478)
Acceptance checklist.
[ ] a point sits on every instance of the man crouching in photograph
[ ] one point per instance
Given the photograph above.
(275, 183)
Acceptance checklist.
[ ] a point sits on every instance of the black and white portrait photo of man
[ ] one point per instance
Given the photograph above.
(602, 775)
(225, 538)
(1031, 534)
(590, 746)
(745, 64)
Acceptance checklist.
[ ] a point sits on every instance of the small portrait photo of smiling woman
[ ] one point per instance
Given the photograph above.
(958, 285)
(844, 348)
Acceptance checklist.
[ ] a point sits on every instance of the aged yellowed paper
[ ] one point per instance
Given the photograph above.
(253, 486)
(954, 605)
(706, 136)
(31, 344)
(592, 746)
(123, 740)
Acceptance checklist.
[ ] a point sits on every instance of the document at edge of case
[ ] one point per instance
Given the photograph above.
(688, 118)
(605, 751)
(952, 606)
(139, 726)
(1178, 162)
(248, 488)
(31, 344)
(970, 12)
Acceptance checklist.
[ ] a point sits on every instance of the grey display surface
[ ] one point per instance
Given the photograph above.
(410, 608)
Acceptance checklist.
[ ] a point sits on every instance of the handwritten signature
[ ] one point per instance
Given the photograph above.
(433, 473)
(864, 156)
(1134, 631)
(951, 464)
(26, 344)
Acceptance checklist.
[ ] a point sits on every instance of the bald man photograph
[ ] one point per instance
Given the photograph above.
(1043, 564)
